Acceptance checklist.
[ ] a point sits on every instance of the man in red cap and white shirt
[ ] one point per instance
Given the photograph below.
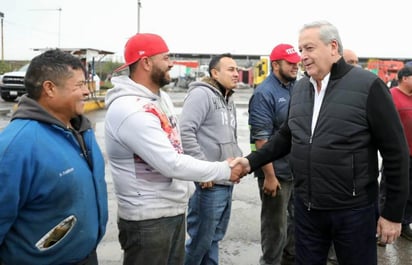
(152, 177)
(268, 109)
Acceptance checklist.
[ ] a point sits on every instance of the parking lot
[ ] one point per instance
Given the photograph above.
(241, 245)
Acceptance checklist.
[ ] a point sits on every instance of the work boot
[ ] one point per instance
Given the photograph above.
(406, 232)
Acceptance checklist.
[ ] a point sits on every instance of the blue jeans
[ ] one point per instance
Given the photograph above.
(153, 242)
(352, 231)
(207, 222)
(277, 225)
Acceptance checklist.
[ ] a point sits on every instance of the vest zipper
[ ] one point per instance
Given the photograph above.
(353, 177)
(310, 174)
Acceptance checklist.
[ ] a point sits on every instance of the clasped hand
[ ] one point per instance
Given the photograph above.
(239, 168)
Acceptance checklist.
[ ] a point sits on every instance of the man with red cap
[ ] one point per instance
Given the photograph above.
(152, 177)
(268, 109)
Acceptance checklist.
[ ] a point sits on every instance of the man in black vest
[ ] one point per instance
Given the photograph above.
(340, 116)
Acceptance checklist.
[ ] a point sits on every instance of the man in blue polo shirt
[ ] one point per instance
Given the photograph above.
(268, 109)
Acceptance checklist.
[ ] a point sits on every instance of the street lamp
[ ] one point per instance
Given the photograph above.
(2, 42)
(139, 5)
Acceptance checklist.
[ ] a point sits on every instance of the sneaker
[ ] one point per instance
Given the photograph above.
(406, 232)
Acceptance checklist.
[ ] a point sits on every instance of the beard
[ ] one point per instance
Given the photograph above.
(160, 77)
(286, 77)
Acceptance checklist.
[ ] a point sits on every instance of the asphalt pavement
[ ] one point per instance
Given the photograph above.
(241, 245)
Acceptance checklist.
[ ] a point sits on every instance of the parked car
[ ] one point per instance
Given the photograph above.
(12, 84)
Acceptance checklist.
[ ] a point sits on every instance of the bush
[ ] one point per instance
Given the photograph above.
(5, 67)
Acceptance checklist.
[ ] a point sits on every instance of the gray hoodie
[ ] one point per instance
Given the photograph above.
(208, 123)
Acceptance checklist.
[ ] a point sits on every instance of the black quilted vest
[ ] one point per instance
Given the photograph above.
(331, 168)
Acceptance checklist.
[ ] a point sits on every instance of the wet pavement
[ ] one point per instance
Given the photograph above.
(241, 245)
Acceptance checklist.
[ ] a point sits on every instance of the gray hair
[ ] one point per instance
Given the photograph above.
(327, 32)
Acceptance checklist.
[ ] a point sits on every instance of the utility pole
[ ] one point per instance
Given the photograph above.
(2, 42)
(139, 5)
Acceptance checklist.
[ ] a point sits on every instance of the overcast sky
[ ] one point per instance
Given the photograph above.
(369, 27)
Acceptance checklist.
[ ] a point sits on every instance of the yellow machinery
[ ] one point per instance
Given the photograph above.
(260, 71)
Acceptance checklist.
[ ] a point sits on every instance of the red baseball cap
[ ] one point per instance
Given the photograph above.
(142, 45)
(285, 52)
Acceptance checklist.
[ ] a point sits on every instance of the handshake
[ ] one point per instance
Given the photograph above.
(240, 167)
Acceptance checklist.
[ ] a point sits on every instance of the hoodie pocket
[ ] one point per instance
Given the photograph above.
(229, 150)
(56, 234)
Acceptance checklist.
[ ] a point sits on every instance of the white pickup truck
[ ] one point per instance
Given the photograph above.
(12, 84)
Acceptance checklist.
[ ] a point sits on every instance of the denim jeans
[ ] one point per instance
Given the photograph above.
(153, 242)
(207, 222)
(277, 225)
(352, 231)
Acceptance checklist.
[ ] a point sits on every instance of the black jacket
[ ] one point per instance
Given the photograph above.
(337, 166)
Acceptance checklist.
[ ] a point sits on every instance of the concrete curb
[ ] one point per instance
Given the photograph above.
(94, 104)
